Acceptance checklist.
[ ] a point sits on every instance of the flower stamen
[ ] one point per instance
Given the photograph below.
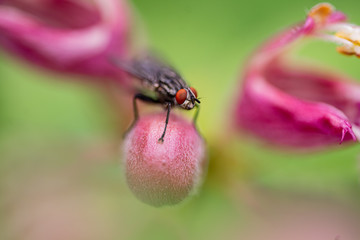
(321, 12)
(346, 35)
(350, 33)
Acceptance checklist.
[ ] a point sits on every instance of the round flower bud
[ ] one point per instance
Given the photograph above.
(164, 173)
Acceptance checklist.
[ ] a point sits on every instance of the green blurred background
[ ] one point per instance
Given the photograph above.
(50, 125)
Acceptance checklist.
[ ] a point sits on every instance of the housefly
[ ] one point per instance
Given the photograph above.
(160, 84)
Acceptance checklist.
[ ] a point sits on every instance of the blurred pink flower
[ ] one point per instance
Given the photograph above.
(76, 36)
(291, 104)
(164, 173)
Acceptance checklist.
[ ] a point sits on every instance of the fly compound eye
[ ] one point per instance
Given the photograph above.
(181, 96)
(194, 91)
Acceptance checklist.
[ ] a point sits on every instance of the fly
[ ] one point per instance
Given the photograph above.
(167, 86)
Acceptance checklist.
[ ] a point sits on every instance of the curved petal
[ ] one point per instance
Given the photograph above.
(294, 105)
(79, 50)
(284, 119)
(55, 13)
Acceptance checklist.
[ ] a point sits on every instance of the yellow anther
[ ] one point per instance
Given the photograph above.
(348, 38)
(345, 50)
(321, 12)
(342, 35)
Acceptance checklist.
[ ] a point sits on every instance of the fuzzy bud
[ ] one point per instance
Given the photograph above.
(164, 173)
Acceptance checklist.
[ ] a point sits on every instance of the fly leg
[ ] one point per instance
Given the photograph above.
(168, 106)
(143, 98)
(196, 114)
(196, 117)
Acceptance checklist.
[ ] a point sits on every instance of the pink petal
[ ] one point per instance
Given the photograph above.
(164, 173)
(51, 12)
(290, 104)
(316, 85)
(283, 119)
(81, 49)
(336, 16)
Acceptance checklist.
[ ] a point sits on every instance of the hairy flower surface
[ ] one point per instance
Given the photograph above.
(291, 104)
(76, 36)
(164, 173)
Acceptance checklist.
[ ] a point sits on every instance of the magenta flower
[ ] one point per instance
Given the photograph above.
(291, 104)
(66, 35)
(164, 173)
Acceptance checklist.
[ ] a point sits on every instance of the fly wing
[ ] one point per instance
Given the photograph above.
(152, 72)
(140, 69)
(167, 74)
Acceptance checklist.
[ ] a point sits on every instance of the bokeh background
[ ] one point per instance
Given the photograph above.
(60, 171)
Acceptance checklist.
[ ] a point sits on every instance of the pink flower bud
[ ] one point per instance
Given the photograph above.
(164, 173)
(66, 35)
(289, 103)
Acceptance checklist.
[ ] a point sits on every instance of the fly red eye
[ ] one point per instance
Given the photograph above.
(181, 96)
(194, 91)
